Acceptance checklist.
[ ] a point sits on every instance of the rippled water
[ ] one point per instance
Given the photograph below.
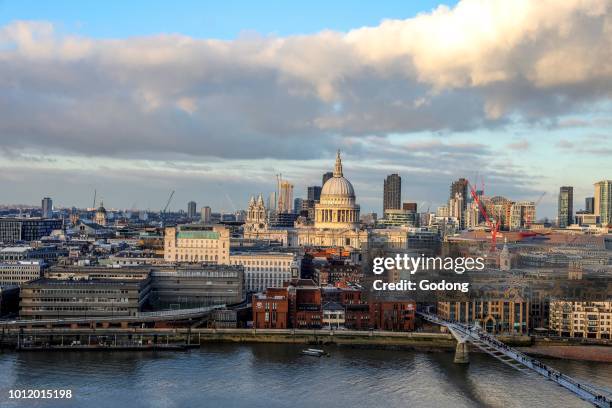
(266, 375)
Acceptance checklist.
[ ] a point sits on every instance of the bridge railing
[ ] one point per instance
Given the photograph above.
(599, 397)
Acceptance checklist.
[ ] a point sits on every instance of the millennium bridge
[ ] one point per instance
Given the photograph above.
(486, 342)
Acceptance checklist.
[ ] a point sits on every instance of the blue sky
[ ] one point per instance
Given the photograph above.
(135, 99)
(209, 19)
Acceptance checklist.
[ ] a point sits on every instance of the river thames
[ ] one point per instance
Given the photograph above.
(267, 375)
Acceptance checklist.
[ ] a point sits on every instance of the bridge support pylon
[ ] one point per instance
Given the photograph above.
(461, 353)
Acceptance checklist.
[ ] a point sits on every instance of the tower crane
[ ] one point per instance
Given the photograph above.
(492, 224)
(163, 212)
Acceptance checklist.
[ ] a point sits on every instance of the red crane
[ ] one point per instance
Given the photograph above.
(493, 225)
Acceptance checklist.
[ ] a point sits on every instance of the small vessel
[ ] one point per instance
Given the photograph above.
(314, 352)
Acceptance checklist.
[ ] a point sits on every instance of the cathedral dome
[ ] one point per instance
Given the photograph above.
(338, 185)
(337, 208)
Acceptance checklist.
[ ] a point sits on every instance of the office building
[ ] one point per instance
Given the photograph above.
(17, 273)
(326, 176)
(297, 205)
(205, 215)
(589, 205)
(412, 207)
(392, 193)
(285, 197)
(46, 298)
(40, 252)
(314, 193)
(78, 272)
(603, 201)
(27, 229)
(398, 218)
(197, 243)
(282, 220)
(193, 286)
(586, 219)
(191, 209)
(264, 270)
(47, 207)
(565, 211)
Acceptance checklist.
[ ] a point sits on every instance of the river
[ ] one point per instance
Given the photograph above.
(270, 375)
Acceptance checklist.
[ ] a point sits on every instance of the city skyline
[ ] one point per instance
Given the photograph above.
(216, 114)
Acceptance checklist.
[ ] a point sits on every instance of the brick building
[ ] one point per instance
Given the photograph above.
(271, 309)
(392, 315)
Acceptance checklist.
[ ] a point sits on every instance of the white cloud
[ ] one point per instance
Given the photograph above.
(481, 63)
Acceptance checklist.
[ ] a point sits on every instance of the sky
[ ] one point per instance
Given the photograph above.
(214, 99)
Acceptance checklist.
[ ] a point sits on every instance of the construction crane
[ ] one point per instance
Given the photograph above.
(163, 212)
(528, 219)
(492, 224)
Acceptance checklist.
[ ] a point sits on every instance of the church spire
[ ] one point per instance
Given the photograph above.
(338, 167)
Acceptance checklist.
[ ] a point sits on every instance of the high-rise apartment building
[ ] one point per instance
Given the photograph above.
(314, 193)
(392, 193)
(565, 214)
(191, 209)
(47, 207)
(205, 214)
(442, 211)
(522, 214)
(460, 187)
(456, 208)
(285, 197)
(458, 200)
(603, 201)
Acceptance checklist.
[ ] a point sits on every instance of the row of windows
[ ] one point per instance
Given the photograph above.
(199, 243)
(266, 269)
(20, 273)
(81, 300)
(80, 291)
(196, 258)
(77, 308)
(261, 262)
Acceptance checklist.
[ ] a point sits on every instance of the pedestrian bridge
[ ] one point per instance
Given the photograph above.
(465, 334)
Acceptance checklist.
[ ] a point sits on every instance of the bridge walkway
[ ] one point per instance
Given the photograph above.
(489, 344)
